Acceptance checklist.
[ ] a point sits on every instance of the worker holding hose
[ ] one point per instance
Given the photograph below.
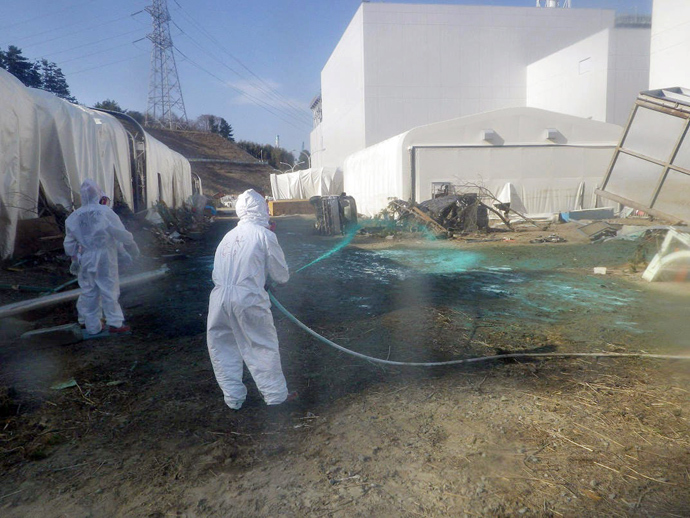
(240, 325)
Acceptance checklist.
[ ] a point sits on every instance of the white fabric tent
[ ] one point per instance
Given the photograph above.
(78, 143)
(548, 157)
(168, 174)
(20, 159)
(49, 143)
(302, 185)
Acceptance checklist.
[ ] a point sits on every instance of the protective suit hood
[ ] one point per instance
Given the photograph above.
(251, 208)
(90, 192)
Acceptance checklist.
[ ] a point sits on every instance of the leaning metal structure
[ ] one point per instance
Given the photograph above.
(165, 104)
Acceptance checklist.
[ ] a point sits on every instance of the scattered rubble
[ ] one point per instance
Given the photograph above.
(444, 216)
(552, 238)
(599, 230)
(173, 226)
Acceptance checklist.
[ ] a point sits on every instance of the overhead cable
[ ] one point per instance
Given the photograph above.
(80, 23)
(256, 101)
(44, 15)
(107, 64)
(94, 53)
(92, 43)
(279, 108)
(266, 88)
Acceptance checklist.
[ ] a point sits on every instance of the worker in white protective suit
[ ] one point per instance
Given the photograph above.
(93, 236)
(240, 324)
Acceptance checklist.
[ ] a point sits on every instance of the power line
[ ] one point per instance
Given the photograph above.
(240, 90)
(107, 64)
(52, 13)
(93, 43)
(258, 102)
(279, 97)
(95, 53)
(269, 91)
(259, 88)
(86, 29)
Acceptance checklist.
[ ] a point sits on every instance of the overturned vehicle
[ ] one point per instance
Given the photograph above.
(334, 214)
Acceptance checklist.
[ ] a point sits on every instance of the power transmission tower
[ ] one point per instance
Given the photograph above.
(165, 103)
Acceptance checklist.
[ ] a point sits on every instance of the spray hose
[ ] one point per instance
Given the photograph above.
(479, 359)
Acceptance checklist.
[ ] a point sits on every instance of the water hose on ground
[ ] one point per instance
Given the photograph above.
(323, 339)
(479, 359)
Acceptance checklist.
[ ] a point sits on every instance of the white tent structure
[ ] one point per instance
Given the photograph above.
(49, 146)
(552, 161)
(168, 174)
(77, 143)
(302, 185)
(20, 159)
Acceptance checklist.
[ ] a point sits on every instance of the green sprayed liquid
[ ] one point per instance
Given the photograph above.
(348, 239)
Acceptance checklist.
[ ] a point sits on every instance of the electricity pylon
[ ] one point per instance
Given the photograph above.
(165, 104)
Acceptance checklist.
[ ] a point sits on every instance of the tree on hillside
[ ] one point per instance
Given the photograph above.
(114, 106)
(304, 160)
(137, 116)
(225, 130)
(42, 74)
(207, 123)
(214, 124)
(53, 80)
(20, 67)
(275, 156)
(109, 105)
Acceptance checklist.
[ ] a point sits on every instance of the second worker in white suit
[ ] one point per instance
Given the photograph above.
(93, 236)
(240, 324)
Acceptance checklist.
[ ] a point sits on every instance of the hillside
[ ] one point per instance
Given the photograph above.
(221, 165)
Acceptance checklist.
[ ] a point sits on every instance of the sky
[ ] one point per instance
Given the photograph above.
(256, 63)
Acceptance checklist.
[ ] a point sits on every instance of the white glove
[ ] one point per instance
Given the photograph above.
(74, 267)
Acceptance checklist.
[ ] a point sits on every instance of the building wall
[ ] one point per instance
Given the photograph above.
(597, 78)
(670, 45)
(342, 80)
(573, 80)
(426, 63)
(628, 71)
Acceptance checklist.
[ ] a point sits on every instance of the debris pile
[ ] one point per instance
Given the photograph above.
(458, 213)
(444, 216)
(551, 238)
(599, 230)
(175, 226)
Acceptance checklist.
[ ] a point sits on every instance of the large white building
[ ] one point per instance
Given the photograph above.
(400, 66)
(670, 46)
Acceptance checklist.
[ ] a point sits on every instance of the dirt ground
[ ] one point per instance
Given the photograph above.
(145, 432)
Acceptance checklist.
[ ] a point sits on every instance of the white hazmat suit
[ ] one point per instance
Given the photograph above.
(93, 234)
(240, 324)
